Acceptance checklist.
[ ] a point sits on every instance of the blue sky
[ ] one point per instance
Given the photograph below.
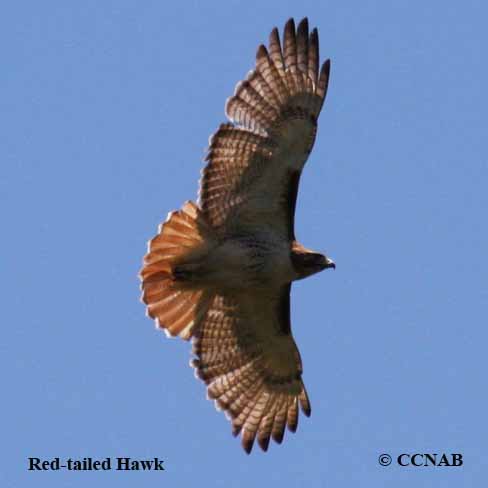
(106, 109)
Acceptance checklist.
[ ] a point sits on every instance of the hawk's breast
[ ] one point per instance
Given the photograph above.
(250, 260)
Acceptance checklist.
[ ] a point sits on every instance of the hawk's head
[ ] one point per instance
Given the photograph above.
(307, 262)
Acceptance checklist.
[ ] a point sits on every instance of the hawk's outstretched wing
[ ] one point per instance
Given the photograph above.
(249, 360)
(254, 163)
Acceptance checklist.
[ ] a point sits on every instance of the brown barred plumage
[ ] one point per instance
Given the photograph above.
(243, 368)
(221, 272)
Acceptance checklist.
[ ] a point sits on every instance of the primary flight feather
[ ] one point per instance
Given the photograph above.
(220, 272)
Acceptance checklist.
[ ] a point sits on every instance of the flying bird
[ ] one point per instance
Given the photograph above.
(219, 272)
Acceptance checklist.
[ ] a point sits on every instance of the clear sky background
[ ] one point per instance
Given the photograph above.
(106, 109)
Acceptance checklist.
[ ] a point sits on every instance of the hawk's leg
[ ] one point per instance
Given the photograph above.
(186, 272)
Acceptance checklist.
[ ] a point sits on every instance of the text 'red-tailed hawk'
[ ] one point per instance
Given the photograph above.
(220, 272)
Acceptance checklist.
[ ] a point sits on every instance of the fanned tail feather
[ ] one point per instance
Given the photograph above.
(171, 300)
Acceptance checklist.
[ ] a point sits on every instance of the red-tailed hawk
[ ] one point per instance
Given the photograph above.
(220, 272)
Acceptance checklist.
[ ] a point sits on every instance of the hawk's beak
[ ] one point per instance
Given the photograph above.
(329, 263)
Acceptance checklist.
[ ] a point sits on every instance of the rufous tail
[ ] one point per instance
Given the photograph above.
(175, 305)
